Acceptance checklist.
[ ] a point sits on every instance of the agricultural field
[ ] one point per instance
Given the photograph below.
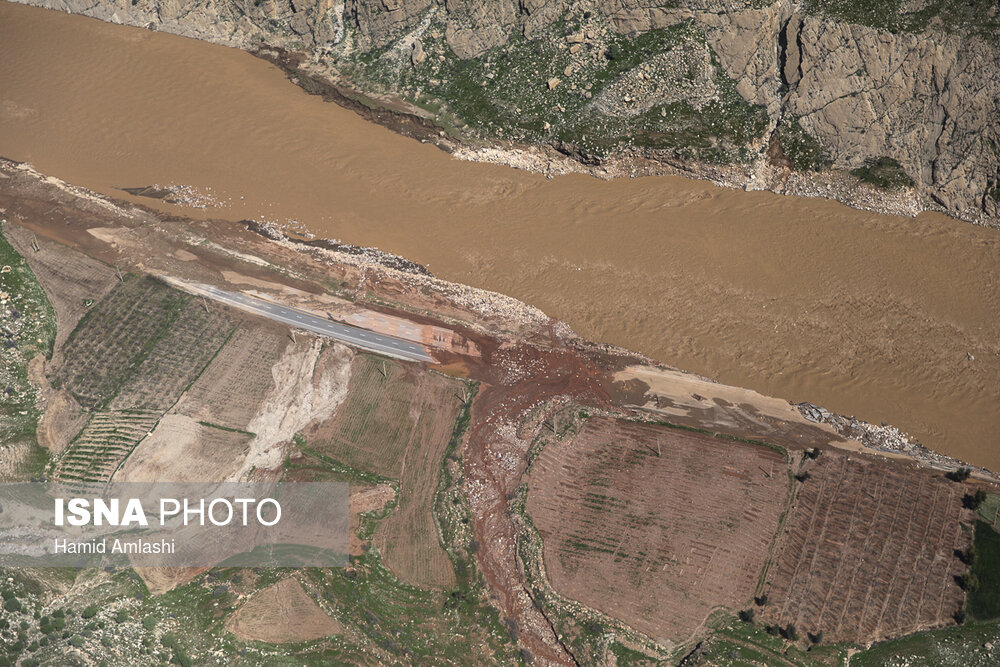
(280, 614)
(115, 337)
(656, 526)
(396, 423)
(231, 390)
(176, 359)
(103, 444)
(869, 551)
(180, 449)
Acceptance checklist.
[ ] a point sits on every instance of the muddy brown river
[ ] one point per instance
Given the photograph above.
(886, 318)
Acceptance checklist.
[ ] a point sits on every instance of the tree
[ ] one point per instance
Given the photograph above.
(761, 600)
(746, 615)
(789, 632)
(959, 475)
(815, 637)
(973, 501)
(802, 476)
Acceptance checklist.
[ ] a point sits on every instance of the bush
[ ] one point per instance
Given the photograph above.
(884, 173)
(13, 604)
(90, 611)
(149, 623)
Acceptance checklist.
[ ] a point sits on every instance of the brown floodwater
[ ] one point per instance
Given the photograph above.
(870, 315)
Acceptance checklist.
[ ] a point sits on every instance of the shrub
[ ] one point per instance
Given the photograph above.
(13, 604)
(884, 173)
(90, 611)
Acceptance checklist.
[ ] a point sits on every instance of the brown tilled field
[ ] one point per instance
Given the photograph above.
(397, 421)
(233, 387)
(280, 614)
(869, 551)
(656, 526)
(182, 450)
(389, 408)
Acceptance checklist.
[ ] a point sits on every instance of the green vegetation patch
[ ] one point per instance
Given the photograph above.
(27, 329)
(884, 173)
(801, 149)
(984, 593)
(506, 93)
(957, 646)
(989, 510)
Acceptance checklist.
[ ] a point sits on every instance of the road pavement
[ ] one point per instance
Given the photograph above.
(300, 319)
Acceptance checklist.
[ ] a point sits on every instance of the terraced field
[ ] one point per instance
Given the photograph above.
(656, 526)
(869, 551)
(129, 359)
(103, 444)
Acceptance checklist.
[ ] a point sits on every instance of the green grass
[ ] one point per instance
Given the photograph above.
(984, 599)
(989, 511)
(227, 428)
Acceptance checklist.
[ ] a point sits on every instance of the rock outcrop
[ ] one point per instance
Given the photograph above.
(926, 95)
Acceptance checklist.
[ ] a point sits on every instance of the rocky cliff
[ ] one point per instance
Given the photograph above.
(894, 102)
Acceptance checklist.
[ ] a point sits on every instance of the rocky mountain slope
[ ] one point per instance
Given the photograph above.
(892, 105)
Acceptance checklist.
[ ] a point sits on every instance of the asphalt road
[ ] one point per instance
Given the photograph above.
(345, 333)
